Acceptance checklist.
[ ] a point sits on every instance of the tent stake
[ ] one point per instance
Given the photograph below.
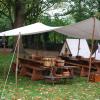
(92, 42)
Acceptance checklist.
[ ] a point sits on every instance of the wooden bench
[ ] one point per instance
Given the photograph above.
(31, 68)
(83, 68)
(34, 72)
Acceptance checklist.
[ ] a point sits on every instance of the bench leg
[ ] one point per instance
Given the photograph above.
(84, 71)
(23, 71)
(36, 75)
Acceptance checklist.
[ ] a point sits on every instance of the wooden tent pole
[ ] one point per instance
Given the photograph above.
(92, 42)
(95, 50)
(17, 62)
(95, 54)
(78, 47)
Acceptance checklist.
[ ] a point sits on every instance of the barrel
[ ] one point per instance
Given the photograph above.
(60, 63)
(49, 62)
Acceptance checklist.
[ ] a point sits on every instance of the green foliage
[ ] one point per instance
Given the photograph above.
(84, 9)
(10, 42)
(30, 10)
(56, 21)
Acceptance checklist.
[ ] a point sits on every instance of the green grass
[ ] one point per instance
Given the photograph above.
(74, 89)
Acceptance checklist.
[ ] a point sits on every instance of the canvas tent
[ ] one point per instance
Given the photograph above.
(36, 28)
(83, 29)
(97, 53)
(72, 47)
(87, 29)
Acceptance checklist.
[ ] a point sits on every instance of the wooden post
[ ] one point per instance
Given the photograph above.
(92, 41)
(17, 62)
(78, 47)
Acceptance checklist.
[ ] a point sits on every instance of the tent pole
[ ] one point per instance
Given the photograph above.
(95, 51)
(92, 42)
(17, 62)
(78, 47)
(95, 54)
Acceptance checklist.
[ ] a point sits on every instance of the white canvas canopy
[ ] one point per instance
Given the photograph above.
(28, 30)
(72, 47)
(82, 29)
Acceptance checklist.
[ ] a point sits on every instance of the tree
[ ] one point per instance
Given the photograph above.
(20, 12)
(83, 9)
(23, 12)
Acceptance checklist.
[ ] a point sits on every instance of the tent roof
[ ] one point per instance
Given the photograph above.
(82, 29)
(28, 30)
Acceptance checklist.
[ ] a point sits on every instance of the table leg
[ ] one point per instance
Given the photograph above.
(23, 71)
(98, 69)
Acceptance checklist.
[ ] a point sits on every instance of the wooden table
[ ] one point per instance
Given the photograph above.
(31, 67)
(34, 69)
(83, 64)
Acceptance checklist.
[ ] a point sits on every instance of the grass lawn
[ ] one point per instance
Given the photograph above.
(74, 89)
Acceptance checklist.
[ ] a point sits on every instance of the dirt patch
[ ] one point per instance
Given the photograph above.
(31, 51)
(42, 52)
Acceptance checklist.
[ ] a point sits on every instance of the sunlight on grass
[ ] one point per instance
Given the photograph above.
(74, 89)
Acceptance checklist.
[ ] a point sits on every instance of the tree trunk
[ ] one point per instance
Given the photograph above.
(19, 13)
(19, 18)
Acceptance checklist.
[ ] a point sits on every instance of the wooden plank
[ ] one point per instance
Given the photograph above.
(31, 67)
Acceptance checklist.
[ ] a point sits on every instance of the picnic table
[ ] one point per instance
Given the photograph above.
(36, 70)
